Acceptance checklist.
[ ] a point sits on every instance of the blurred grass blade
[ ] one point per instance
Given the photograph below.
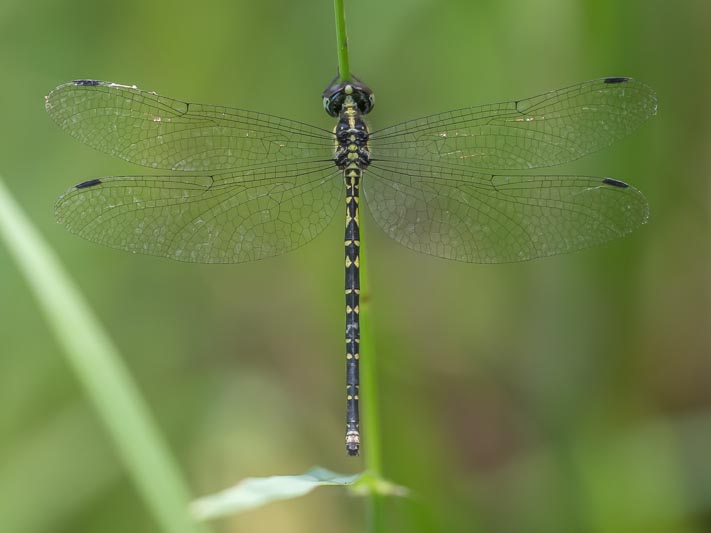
(100, 370)
(255, 492)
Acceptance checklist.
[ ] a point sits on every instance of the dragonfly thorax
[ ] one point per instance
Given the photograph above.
(351, 137)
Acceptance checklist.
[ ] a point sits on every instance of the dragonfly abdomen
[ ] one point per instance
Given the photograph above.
(352, 245)
(353, 157)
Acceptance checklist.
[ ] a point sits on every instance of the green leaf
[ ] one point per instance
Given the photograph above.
(255, 492)
(371, 483)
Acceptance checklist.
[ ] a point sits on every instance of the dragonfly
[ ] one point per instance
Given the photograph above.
(240, 185)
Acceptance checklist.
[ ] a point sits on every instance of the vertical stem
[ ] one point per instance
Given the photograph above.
(370, 401)
(344, 68)
(373, 459)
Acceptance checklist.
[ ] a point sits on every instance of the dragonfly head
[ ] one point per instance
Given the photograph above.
(337, 91)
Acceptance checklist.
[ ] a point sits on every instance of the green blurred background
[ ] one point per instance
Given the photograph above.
(570, 394)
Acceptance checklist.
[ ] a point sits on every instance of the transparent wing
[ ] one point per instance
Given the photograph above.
(546, 130)
(159, 132)
(229, 218)
(455, 213)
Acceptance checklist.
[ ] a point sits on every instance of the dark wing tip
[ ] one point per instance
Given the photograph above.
(89, 183)
(616, 80)
(86, 83)
(615, 183)
(75, 83)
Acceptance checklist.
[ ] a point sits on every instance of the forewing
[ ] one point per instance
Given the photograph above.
(546, 130)
(159, 132)
(454, 213)
(230, 218)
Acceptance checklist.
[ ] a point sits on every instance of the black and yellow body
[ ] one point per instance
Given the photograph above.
(350, 101)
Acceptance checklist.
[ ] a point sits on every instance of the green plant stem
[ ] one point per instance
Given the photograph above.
(98, 365)
(369, 389)
(370, 402)
(344, 68)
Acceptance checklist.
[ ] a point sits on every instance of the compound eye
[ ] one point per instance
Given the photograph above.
(329, 104)
(365, 102)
